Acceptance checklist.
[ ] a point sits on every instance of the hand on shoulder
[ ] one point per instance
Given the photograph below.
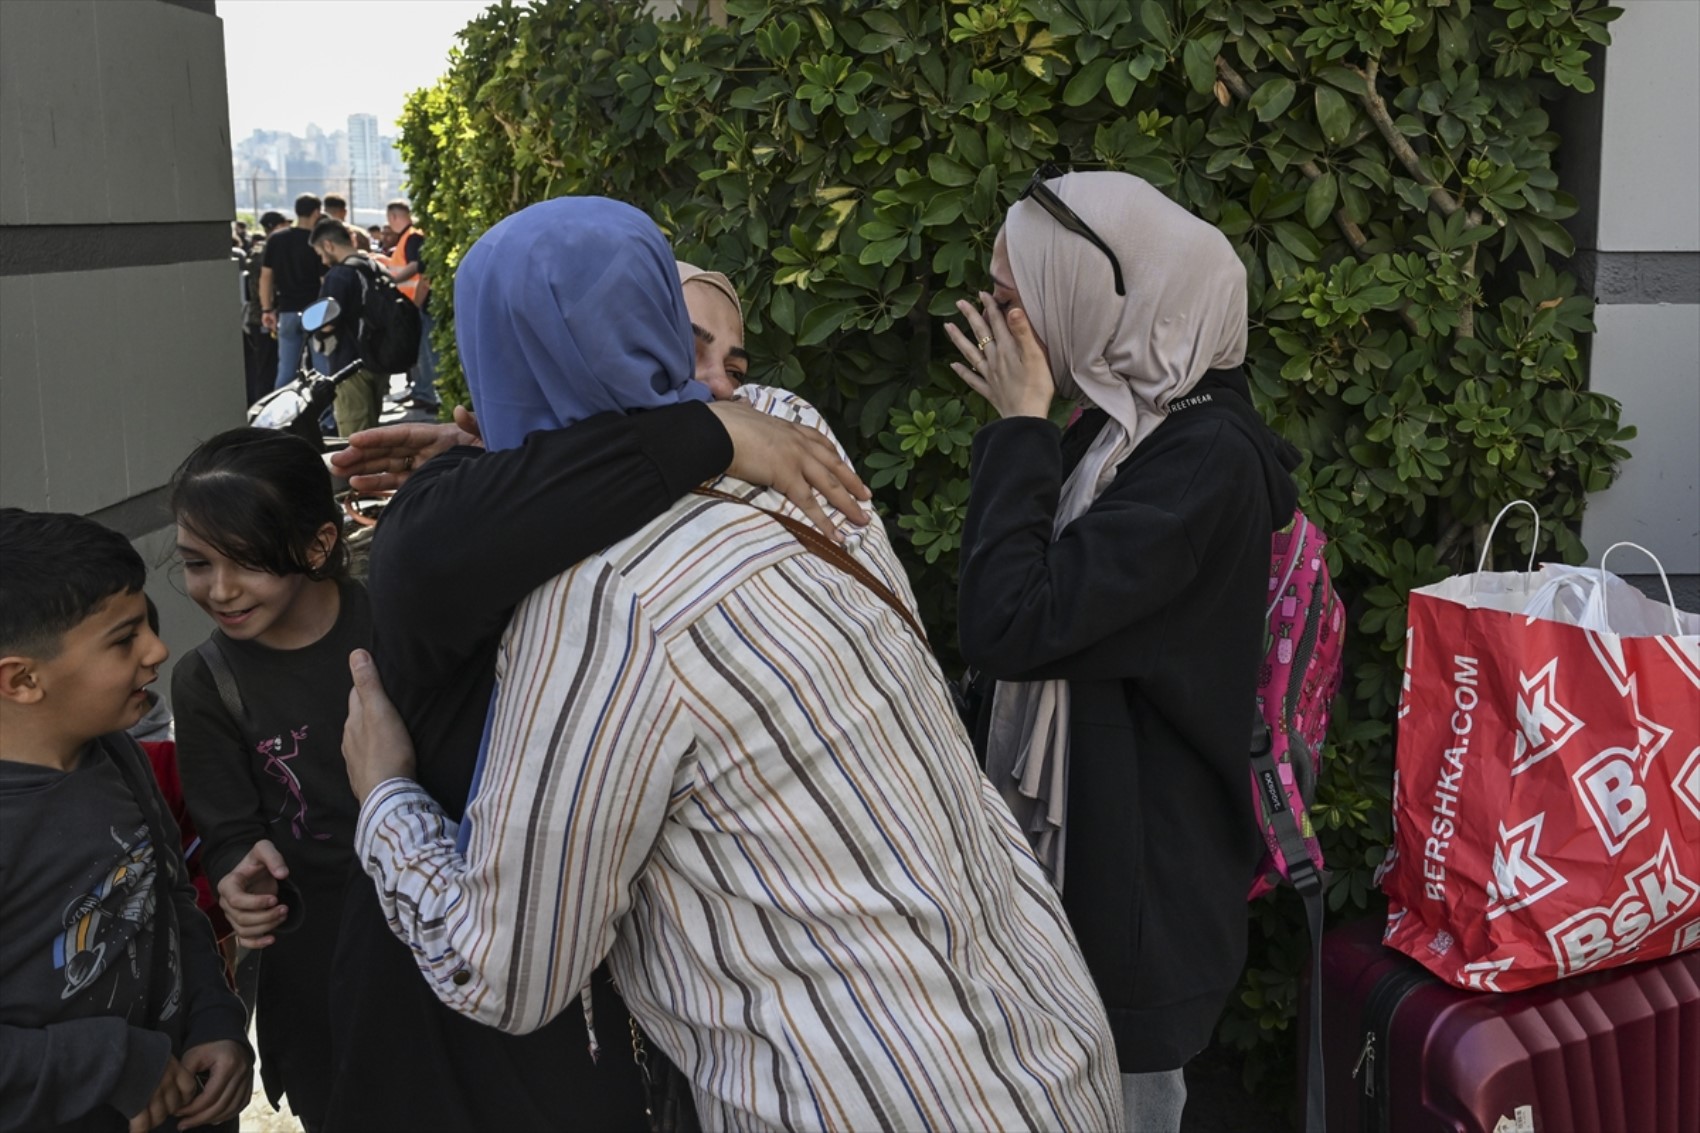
(780, 441)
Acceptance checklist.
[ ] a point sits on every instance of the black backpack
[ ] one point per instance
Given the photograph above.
(389, 322)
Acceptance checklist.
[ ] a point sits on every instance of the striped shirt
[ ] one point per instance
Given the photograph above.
(731, 769)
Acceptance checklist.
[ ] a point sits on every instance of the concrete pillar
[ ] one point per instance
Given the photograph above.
(1641, 260)
(120, 337)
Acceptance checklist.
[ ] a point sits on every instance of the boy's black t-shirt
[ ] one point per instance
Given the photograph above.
(296, 268)
(99, 984)
(78, 896)
(287, 783)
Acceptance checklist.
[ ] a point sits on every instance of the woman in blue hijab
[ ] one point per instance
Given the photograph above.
(570, 320)
(568, 309)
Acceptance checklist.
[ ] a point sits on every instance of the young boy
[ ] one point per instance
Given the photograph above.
(114, 1013)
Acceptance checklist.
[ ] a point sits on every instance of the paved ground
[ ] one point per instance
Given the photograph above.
(260, 1117)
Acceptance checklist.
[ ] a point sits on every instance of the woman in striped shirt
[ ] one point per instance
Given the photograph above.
(732, 769)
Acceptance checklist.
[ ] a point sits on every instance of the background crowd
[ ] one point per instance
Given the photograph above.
(287, 265)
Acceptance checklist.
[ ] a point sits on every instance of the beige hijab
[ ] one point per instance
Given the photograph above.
(690, 274)
(1184, 313)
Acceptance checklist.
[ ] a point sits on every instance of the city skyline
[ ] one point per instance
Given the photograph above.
(271, 168)
(412, 42)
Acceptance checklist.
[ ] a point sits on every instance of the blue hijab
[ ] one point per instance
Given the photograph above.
(564, 310)
(567, 309)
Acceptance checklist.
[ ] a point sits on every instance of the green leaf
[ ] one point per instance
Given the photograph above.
(1298, 240)
(947, 171)
(1272, 98)
(823, 321)
(1333, 114)
(783, 310)
(942, 210)
(1319, 200)
(1086, 83)
(1156, 22)
(1200, 66)
(1118, 80)
(1342, 77)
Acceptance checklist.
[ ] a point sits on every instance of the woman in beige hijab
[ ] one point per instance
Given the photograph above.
(1112, 581)
(717, 321)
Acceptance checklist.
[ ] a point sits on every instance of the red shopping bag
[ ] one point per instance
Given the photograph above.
(1546, 795)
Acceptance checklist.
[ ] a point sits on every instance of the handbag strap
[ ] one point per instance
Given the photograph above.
(824, 548)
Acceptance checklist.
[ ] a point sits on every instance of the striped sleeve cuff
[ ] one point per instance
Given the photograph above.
(406, 845)
(396, 803)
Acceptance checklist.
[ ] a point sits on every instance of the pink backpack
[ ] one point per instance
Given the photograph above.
(1295, 690)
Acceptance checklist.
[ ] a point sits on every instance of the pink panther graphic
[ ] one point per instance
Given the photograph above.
(277, 766)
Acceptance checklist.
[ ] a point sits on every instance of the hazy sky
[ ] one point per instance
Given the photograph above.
(281, 77)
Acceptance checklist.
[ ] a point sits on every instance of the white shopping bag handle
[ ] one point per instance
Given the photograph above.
(1487, 544)
(1670, 598)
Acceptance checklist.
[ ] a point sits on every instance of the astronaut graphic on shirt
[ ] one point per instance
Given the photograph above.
(101, 925)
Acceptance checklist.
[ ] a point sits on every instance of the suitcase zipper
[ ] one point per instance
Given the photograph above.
(1366, 1056)
(1374, 1110)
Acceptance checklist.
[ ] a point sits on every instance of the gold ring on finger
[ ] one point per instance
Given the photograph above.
(981, 344)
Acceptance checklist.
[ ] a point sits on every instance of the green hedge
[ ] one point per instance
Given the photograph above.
(1385, 168)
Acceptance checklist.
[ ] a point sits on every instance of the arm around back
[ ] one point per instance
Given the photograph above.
(467, 539)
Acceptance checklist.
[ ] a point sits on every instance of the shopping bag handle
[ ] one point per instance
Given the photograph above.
(1670, 598)
(1487, 544)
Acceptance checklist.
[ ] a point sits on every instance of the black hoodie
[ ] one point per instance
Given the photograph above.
(1151, 606)
(107, 968)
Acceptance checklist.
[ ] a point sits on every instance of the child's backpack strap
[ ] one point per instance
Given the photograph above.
(224, 679)
(138, 777)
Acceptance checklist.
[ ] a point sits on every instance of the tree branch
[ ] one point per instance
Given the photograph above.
(1236, 83)
(1376, 107)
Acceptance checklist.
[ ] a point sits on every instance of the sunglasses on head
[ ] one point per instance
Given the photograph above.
(1067, 217)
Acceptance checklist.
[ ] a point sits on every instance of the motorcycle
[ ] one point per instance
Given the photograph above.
(298, 406)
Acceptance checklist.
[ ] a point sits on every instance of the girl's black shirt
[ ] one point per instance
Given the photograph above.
(284, 780)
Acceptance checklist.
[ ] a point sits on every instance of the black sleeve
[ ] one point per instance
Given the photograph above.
(1031, 608)
(64, 1072)
(212, 759)
(410, 249)
(489, 529)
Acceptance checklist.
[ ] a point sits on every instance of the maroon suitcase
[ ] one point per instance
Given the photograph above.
(1616, 1051)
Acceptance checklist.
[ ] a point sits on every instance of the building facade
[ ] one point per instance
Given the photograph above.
(1638, 237)
(120, 337)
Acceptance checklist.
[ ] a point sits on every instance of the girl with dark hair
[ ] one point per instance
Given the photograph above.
(260, 710)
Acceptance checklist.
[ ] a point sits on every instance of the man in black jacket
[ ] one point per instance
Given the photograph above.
(289, 281)
(360, 396)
